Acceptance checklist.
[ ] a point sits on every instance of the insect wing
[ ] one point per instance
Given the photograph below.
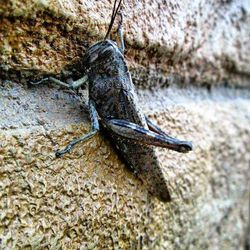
(144, 163)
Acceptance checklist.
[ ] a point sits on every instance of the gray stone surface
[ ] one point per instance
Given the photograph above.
(89, 199)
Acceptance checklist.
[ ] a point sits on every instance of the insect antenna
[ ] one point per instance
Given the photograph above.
(114, 13)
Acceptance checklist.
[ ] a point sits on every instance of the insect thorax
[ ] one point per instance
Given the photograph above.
(104, 59)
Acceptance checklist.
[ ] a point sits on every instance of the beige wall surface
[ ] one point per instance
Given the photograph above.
(190, 63)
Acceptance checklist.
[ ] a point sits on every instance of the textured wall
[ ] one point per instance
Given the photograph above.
(195, 41)
(88, 199)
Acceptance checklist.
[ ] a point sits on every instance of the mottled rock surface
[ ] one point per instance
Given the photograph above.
(198, 42)
(89, 199)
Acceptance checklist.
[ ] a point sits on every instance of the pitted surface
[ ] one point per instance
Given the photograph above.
(62, 203)
(89, 199)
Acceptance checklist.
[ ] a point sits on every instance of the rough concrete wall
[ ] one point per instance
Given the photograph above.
(89, 199)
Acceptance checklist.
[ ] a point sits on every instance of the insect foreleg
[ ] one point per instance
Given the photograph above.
(94, 130)
(73, 85)
(120, 34)
(78, 83)
(142, 135)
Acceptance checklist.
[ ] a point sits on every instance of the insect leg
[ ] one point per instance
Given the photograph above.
(120, 33)
(94, 130)
(153, 127)
(142, 135)
(73, 85)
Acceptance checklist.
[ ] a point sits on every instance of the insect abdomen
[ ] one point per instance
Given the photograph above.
(143, 161)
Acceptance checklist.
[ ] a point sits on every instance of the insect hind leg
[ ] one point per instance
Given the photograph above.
(153, 127)
(94, 130)
(141, 135)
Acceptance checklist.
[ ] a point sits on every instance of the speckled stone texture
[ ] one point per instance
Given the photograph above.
(89, 199)
(191, 41)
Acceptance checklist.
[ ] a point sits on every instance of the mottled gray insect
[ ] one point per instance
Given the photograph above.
(113, 102)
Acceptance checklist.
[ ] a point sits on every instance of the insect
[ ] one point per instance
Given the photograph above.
(113, 102)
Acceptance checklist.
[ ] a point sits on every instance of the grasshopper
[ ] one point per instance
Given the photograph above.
(114, 104)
